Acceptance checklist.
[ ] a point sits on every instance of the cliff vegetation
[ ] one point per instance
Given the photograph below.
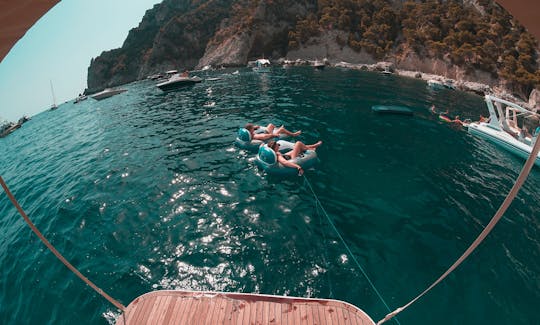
(477, 36)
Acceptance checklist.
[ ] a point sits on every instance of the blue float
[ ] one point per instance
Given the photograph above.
(267, 159)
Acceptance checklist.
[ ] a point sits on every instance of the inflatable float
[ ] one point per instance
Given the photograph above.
(244, 140)
(392, 109)
(267, 159)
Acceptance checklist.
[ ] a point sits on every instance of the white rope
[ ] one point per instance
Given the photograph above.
(56, 252)
(347, 247)
(498, 215)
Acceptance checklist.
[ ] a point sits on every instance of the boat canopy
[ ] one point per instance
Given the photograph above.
(504, 118)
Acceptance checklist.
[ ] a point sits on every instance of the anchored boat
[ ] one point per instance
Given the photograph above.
(502, 127)
(177, 81)
(108, 92)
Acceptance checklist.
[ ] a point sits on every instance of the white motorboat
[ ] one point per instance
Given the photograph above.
(80, 98)
(106, 93)
(178, 81)
(438, 84)
(262, 65)
(319, 65)
(435, 84)
(502, 127)
(449, 84)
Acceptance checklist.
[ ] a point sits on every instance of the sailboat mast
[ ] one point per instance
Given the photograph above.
(54, 99)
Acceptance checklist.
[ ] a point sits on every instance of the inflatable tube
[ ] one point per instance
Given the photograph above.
(392, 109)
(267, 159)
(244, 141)
(445, 118)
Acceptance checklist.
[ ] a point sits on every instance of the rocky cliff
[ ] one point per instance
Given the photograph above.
(461, 39)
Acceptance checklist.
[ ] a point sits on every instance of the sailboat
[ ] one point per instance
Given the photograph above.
(53, 106)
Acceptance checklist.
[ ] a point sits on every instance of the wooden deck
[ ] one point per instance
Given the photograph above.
(186, 307)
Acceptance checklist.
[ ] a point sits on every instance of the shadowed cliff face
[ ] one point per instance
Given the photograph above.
(466, 39)
(172, 35)
(182, 34)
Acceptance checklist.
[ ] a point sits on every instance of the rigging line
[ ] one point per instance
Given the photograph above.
(347, 248)
(55, 252)
(325, 252)
(498, 215)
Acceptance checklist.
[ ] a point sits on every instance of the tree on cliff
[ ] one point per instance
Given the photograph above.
(475, 35)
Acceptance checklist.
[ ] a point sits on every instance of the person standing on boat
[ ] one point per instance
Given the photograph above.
(185, 74)
(271, 132)
(299, 148)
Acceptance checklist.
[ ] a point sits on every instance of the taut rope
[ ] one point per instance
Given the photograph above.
(55, 252)
(498, 215)
(317, 201)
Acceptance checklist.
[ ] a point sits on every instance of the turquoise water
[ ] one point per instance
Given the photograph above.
(146, 191)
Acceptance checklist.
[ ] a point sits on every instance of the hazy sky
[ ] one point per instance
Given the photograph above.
(58, 49)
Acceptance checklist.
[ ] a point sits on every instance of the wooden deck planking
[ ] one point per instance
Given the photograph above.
(186, 307)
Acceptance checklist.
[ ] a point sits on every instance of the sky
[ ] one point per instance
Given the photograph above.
(58, 50)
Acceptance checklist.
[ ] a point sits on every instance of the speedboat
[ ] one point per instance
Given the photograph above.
(8, 127)
(319, 65)
(449, 84)
(106, 93)
(502, 127)
(262, 65)
(80, 98)
(435, 84)
(177, 81)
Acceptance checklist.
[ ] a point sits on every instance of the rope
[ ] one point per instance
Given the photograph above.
(347, 247)
(498, 215)
(55, 252)
(325, 253)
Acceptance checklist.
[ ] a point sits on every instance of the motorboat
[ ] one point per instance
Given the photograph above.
(8, 127)
(502, 127)
(80, 98)
(262, 65)
(178, 81)
(106, 93)
(435, 84)
(319, 65)
(23, 120)
(438, 84)
(449, 84)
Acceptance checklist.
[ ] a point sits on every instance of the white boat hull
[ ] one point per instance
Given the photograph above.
(107, 93)
(503, 140)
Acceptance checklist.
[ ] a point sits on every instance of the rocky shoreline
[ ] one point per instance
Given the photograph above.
(468, 86)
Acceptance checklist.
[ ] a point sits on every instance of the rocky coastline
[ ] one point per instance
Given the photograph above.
(479, 88)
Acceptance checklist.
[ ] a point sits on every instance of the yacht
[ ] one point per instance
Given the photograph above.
(8, 127)
(106, 93)
(178, 81)
(503, 130)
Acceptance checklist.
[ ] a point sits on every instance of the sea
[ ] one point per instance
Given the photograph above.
(146, 191)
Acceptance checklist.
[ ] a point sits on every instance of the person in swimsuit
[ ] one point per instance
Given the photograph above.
(299, 148)
(271, 132)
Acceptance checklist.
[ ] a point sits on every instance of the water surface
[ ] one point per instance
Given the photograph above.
(145, 191)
